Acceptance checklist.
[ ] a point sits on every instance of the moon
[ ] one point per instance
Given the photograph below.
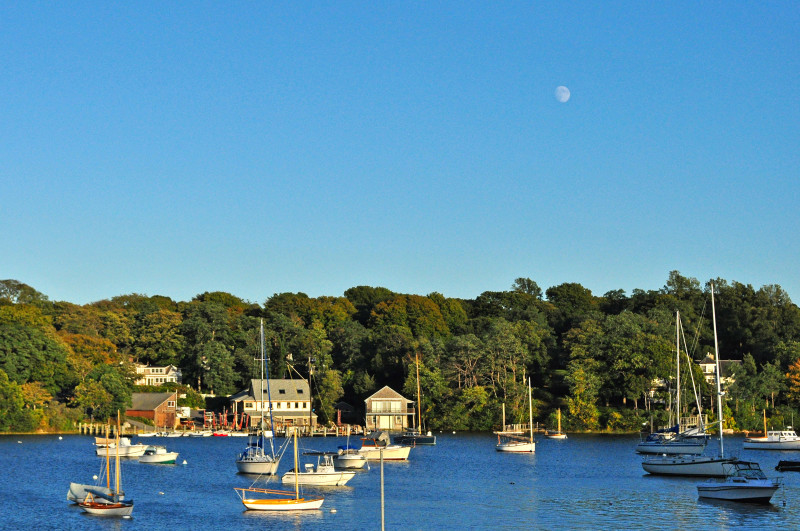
(562, 94)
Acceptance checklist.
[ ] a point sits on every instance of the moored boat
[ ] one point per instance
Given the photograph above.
(744, 482)
(372, 444)
(158, 455)
(323, 474)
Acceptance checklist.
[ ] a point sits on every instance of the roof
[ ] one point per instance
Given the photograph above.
(149, 401)
(727, 366)
(387, 393)
(277, 390)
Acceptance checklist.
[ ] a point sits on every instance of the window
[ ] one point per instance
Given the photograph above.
(171, 403)
(249, 405)
(297, 405)
(299, 391)
(281, 391)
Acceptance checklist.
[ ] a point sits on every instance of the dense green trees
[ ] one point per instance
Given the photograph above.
(601, 359)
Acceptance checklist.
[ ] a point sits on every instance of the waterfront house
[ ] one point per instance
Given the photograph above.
(291, 402)
(161, 408)
(388, 410)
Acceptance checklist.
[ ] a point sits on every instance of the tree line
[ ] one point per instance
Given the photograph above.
(607, 361)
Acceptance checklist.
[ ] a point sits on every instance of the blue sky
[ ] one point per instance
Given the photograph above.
(260, 148)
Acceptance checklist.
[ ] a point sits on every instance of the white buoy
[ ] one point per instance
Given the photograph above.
(161, 493)
(94, 477)
(60, 437)
(19, 442)
(333, 510)
(184, 462)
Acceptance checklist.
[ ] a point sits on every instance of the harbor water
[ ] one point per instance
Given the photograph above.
(584, 482)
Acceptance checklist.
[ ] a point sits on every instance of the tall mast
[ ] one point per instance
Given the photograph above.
(264, 364)
(530, 409)
(678, 366)
(419, 398)
(719, 374)
(116, 468)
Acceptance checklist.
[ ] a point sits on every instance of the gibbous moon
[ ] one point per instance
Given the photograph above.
(562, 94)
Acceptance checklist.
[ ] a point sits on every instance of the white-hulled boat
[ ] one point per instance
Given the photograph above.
(278, 500)
(323, 474)
(688, 465)
(743, 482)
(775, 440)
(349, 459)
(126, 448)
(158, 455)
(256, 458)
(511, 442)
(558, 434)
(658, 443)
(372, 443)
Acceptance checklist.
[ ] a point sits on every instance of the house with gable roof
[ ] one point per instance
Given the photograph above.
(291, 402)
(161, 408)
(388, 410)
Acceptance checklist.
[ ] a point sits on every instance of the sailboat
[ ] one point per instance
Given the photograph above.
(278, 500)
(694, 465)
(255, 459)
(509, 442)
(113, 504)
(744, 481)
(78, 491)
(414, 436)
(349, 457)
(558, 434)
(672, 441)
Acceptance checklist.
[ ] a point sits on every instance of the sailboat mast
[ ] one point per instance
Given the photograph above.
(116, 467)
(264, 365)
(678, 366)
(108, 458)
(296, 471)
(719, 374)
(419, 398)
(530, 409)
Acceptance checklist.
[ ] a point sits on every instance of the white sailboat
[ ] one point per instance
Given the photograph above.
(558, 434)
(113, 504)
(669, 443)
(508, 442)
(278, 500)
(692, 465)
(744, 481)
(256, 458)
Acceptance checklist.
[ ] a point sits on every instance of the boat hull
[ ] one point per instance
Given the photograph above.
(319, 479)
(671, 448)
(753, 492)
(416, 440)
(390, 453)
(350, 461)
(107, 509)
(134, 450)
(516, 447)
(160, 459)
(299, 504)
(687, 466)
(771, 445)
(265, 467)
(559, 436)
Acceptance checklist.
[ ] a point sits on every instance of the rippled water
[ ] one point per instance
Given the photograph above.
(584, 482)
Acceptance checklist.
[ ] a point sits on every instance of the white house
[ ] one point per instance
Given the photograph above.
(709, 367)
(157, 375)
(291, 402)
(388, 410)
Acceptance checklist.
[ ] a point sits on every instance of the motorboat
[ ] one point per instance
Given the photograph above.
(413, 437)
(788, 466)
(775, 440)
(324, 473)
(126, 448)
(158, 455)
(373, 443)
(349, 458)
(744, 482)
